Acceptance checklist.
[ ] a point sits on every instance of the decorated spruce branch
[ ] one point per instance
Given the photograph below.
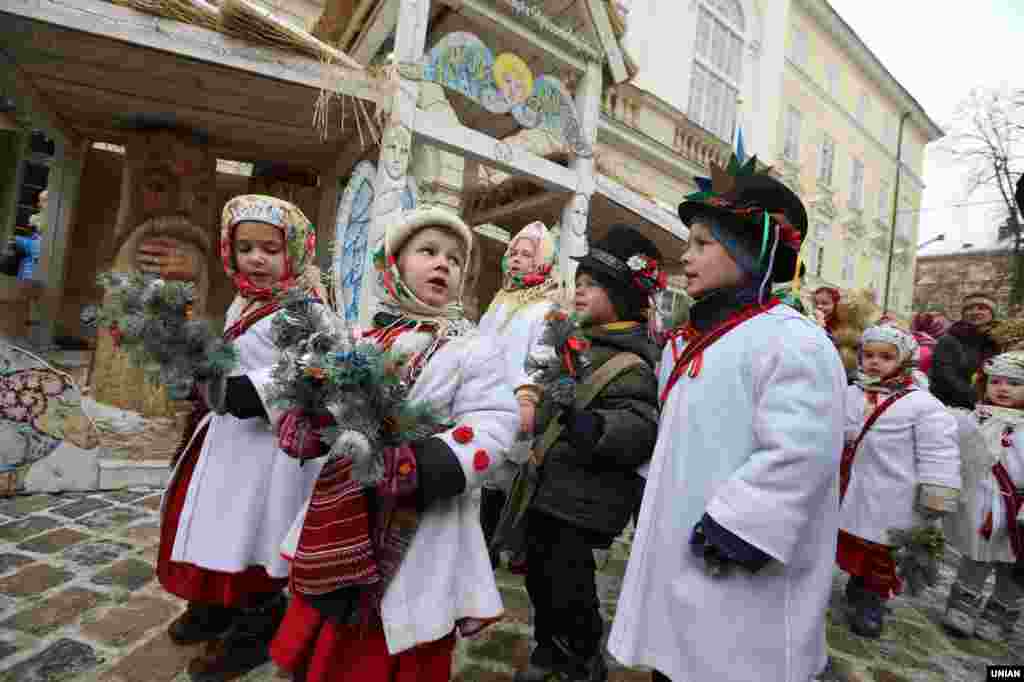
(151, 319)
(558, 373)
(325, 366)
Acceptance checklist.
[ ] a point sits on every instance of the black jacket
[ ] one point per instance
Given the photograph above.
(598, 488)
(957, 356)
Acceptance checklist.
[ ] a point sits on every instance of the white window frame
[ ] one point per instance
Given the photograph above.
(826, 155)
(832, 77)
(856, 184)
(791, 139)
(799, 45)
(863, 107)
(849, 265)
(884, 201)
(717, 67)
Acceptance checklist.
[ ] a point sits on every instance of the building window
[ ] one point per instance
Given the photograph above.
(863, 108)
(717, 67)
(791, 146)
(857, 185)
(820, 261)
(811, 257)
(884, 205)
(904, 222)
(799, 46)
(816, 248)
(832, 79)
(849, 265)
(825, 160)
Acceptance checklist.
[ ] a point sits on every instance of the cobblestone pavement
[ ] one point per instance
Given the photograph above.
(79, 603)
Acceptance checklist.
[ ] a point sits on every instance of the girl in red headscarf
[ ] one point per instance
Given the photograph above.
(233, 493)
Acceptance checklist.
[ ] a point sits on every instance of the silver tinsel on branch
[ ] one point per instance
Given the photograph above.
(324, 366)
(151, 319)
(562, 365)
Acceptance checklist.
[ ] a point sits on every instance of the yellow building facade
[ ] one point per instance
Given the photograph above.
(838, 127)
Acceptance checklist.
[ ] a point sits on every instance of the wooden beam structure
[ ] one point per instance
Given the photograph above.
(644, 208)
(527, 205)
(31, 103)
(438, 129)
(380, 25)
(127, 25)
(598, 12)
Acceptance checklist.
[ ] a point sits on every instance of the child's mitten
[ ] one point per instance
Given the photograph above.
(299, 433)
(721, 548)
(401, 475)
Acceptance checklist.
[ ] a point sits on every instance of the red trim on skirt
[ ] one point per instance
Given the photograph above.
(193, 583)
(870, 561)
(319, 650)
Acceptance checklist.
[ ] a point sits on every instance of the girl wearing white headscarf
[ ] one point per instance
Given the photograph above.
(432, 577)
(984, 528)
(899, 472)
(515, 319)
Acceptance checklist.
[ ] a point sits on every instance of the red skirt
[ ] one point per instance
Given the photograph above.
(319, 650)
(871, 562)
(193, 583)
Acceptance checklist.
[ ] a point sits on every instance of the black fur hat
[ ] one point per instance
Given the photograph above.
(608, 262)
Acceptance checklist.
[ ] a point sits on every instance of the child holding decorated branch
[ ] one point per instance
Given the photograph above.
(233, 493)
(731, 566)
(515, 319)
(900, 471)
(431, 571)
(590, 456)
(985, 527)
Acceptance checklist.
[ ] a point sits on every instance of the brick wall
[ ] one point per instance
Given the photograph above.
(941, 282)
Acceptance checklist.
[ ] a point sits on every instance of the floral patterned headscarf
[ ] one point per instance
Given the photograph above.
(299, 238)
(541, 282)
(393, 294)
(544, 255)
(907, 347)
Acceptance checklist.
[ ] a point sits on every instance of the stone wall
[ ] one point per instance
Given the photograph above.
(941, 282)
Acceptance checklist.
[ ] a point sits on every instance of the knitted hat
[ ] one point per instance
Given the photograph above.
(1009, 365)
(759, 221)
(625, 263)
(980, 299)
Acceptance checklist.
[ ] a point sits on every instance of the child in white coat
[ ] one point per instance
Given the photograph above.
(435, 577)
(900, 469)
(218, 551)
(984, 529)
(515, 319)
(731, 567)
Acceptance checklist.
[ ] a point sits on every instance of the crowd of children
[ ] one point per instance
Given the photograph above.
(755, 454)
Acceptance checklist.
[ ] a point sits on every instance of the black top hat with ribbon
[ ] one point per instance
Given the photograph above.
(759, 211)
(625, 262)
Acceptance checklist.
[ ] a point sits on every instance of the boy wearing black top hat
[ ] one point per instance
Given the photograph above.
(731, 565)
(589, 485)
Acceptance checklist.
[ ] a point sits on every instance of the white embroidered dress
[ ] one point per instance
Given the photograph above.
(755, 441)
(244, 492)
(517, 330)
(912, 443)
(984, 440)
(446, 574)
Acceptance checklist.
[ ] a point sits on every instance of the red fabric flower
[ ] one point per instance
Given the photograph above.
(481, 460)
(463, 434)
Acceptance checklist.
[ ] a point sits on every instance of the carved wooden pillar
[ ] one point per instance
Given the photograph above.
(396, 142)
(167, 195)
(576, 214)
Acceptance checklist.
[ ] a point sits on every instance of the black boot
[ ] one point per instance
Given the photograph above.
(201, 623)
(545, 662)
(868, 617)
(244, 647)
(579, 667)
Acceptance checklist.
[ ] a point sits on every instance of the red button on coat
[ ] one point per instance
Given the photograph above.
(481, 460)
(463, 434)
